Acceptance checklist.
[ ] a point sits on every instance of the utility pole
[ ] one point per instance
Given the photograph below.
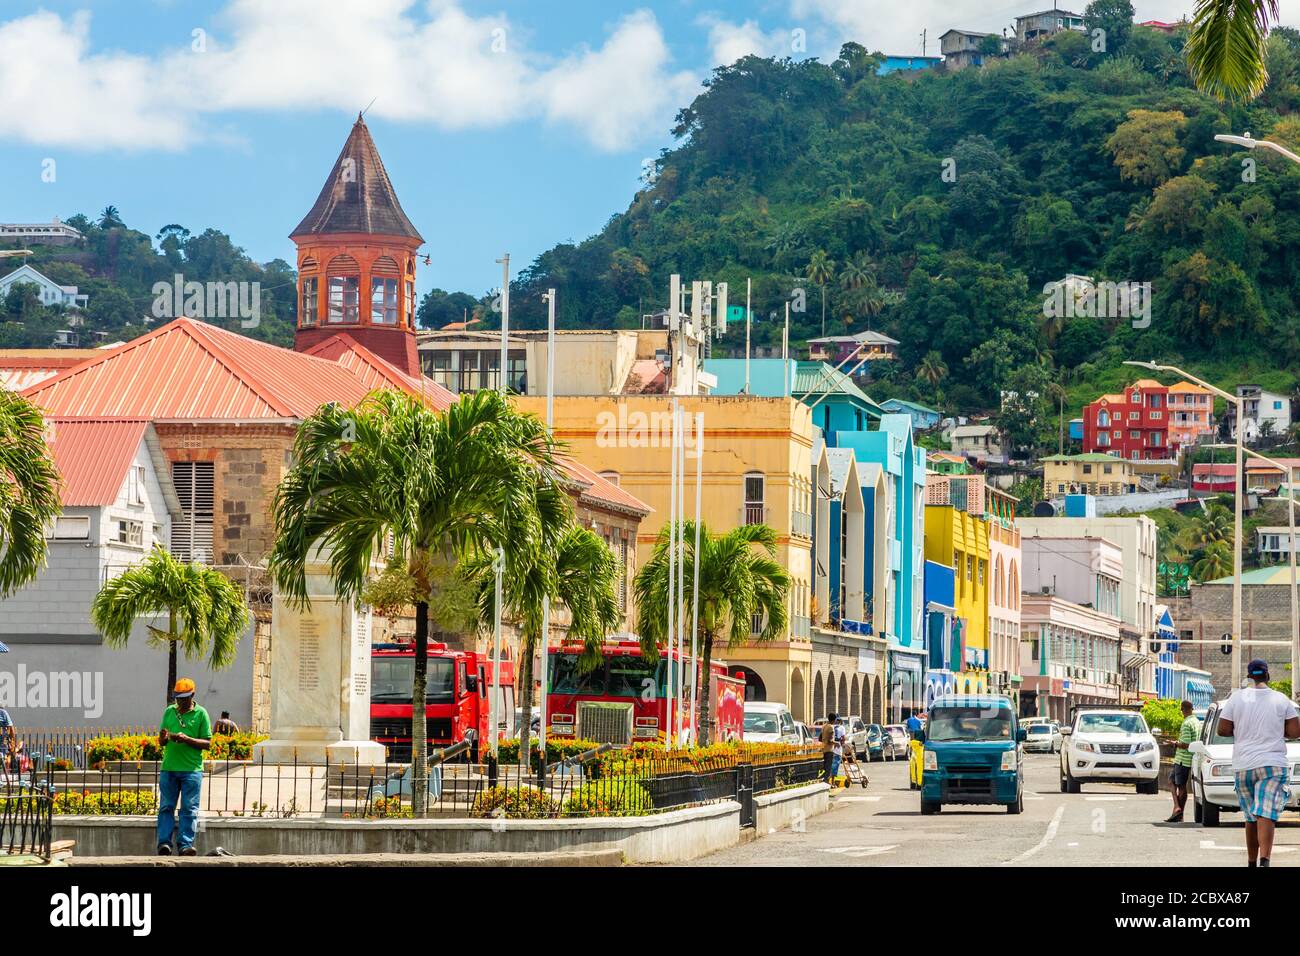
(748, 290)
(544, 650)
(493, 720)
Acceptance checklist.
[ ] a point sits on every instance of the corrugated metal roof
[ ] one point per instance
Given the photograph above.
(602, 489)
(189, 370)
(375, 372)
(93, 456)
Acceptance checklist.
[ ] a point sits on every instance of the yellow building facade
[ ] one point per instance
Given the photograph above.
(757, 467)
(961, 541)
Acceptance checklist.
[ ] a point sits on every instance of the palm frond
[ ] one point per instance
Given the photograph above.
(1225, 48)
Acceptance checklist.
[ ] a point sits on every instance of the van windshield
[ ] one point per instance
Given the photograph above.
(970, 723)
(762, 724)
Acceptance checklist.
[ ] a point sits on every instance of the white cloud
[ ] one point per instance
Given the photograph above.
(436, 64)
(729, 41)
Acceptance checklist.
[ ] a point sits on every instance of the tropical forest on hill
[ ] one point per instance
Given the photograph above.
(932, 206)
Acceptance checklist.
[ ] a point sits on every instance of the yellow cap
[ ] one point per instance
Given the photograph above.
(184, 688)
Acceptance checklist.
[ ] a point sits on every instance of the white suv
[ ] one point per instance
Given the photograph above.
(1112, 746)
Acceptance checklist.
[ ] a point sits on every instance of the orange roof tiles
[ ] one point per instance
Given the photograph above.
(1189, 387)
(191, 371)
(92, 456)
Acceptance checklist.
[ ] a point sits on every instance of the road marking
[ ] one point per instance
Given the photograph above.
(859, 851)
(875, 799)
(1211, 845)
(1047, 837)
(1105, 798)
(1031, 797)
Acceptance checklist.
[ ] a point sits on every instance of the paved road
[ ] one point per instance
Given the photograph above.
(1105, 825)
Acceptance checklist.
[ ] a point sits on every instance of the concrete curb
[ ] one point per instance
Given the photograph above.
(577, 858)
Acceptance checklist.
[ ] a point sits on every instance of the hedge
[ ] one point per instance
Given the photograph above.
(131, 747)
(85, 803)
(646, 757)
(613, 797)
(515, 803)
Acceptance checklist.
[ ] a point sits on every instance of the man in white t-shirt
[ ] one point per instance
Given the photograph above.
(1260, 721)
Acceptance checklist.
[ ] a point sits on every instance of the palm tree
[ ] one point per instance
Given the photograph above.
(575, 569)
(1215, 562)
(857, 272)
(110, 218)
(821, 270)
(932, 369)
(394, 479)
(1225, 49)
(740, 579)
(29, 492)
(1213, 527)
(206, 611)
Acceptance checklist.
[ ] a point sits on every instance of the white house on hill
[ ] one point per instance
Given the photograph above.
(50, 292)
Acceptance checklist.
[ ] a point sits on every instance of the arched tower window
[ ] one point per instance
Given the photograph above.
(344, 284)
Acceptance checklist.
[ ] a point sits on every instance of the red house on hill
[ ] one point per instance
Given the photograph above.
(1133, 425)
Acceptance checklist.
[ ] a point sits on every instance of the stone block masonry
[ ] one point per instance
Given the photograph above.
(1206, 614)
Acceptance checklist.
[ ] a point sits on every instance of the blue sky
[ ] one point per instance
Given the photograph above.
(505, 126)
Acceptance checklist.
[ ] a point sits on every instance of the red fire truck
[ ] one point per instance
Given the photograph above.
(456, 700)
(624, 698)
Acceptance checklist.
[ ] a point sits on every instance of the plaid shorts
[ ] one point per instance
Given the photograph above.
(1262, 792)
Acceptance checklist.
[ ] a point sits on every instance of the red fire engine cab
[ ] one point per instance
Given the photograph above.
(457, 696)
(624, 699)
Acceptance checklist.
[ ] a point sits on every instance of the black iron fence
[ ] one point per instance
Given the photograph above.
(586, 787)
(26, 820)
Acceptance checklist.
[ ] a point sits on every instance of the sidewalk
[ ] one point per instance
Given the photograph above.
(581, 858)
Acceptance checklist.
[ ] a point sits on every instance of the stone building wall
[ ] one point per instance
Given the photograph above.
(1206, 614)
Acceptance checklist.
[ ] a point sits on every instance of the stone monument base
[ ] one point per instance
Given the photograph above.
(316, 745)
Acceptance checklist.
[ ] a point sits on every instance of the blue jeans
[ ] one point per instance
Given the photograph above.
(176, 785)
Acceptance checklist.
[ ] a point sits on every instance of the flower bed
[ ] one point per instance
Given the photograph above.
(126, 802)
(141, 747)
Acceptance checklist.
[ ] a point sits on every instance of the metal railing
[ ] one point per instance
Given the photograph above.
(26, 820)
(624, 784)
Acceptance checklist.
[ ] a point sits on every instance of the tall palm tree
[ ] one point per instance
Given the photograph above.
(1225, 49)
(206, 611)
(932, 369)
(1213, 527)
(110, 218)
(821, 270)
(857, 271)
(576, 570)
(1214, 562)
(29, 492)
(394, 479)
(740, 579)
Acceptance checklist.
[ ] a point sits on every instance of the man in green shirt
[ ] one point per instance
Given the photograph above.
(186, 732)
(1188, 732)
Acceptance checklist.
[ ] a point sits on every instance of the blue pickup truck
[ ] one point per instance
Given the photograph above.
(972, 753)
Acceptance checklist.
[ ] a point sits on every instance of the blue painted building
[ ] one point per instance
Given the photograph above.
(923, 417)
(942, 641)
(892, 63)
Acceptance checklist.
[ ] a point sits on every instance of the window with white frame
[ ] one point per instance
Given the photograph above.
(129, 532)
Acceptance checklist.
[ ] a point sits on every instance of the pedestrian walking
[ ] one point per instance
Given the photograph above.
(1182, 771)
(1260, 721)
(185, 732)
(841, 736)
(225, 725)
(826, 737)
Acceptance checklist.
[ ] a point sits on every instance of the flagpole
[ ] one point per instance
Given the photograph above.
(695, 591)
(494, 721)
(545, 652)
(681, 566)
(672, 579)
(747, 313)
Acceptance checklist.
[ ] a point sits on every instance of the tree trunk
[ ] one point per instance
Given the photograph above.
(704, 702)
(823, 285)
(419, 723)
(171, 657)
(527, 648)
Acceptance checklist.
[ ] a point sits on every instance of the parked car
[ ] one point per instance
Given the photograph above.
(770, 723)
(806, 734)
(895, 743)
(1211, 784)
(875, 742)
(1109, 745)
(1043, 738)
(855, 733)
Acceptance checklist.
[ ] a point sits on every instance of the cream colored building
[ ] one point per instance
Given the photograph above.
(757, 467)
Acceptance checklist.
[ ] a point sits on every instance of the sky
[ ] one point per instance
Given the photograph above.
(505, 126)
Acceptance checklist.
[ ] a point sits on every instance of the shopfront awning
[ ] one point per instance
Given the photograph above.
(1134, 659)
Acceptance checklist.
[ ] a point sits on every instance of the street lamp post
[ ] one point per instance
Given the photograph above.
(1294, 636)
(1249, 143)
(1236, 507)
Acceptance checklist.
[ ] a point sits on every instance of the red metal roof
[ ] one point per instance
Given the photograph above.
(377, 372)
(601, 489)
(191, 371)
(93, 456)
(1219, 470)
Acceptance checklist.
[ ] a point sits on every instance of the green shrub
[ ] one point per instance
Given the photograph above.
(132, 747)
(611, 797)
(1163, 716)
(124, 802)
(557, 749)
(515, 803)
(388, 808)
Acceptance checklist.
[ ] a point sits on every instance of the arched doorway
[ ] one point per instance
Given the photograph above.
(842, 706)
(877, 702)
(819, 698)
(796, 694)
(855, 696)
(755, 689)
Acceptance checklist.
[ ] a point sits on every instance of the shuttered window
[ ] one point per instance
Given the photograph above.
(192, 530)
